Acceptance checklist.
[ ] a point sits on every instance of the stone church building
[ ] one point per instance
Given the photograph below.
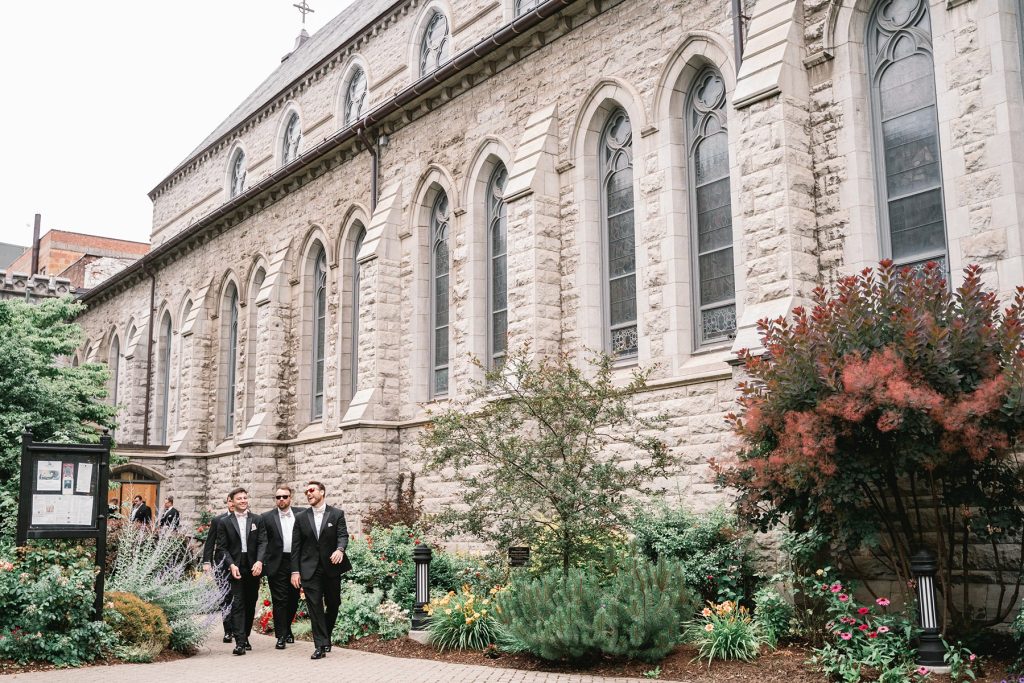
(425, 180)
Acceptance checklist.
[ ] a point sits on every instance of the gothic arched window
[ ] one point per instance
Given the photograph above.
(619, 235)
(711, 208)
(439, 266)
(906, 132)
(230, 358)
(436, 43)
(497, 280)
(252, 343)
(319, 330)
(524, 6)
(114, 365)
(291, 140)
(355, 308)
(164, 378)
(355, 96)
(237, 181)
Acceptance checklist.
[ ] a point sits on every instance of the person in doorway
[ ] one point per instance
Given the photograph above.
(280, 524)
(243, 538)
(141, 513)
(213, 562)
(169, 516)
(114, 508)
(319, 540)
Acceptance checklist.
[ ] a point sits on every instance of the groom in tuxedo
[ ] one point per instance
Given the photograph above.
(242, 538)
(318, 559)
(280, 523)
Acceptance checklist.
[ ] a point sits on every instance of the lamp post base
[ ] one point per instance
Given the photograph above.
(420, 636)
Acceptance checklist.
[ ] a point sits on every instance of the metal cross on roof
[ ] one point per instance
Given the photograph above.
(305, 9)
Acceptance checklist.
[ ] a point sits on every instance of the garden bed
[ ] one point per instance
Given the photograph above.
(10, 667)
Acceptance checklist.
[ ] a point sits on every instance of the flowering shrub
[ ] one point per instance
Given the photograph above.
(891, 391)
(141, 628)
(725, 631)
(1018, 633)
(392, 620)
(463, 620)
(203, 524)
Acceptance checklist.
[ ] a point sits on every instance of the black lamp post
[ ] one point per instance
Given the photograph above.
(930, 650)
(421, 556)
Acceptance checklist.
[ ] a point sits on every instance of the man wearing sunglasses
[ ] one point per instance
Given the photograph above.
(280, 524)
(319, 539)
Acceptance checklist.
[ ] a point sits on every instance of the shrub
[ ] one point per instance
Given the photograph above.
(46, 608)
(405, 512)
(357, 614)
(715, 554)
(635, 615)
(772, 614)
(1018, 634)
(463, 621)
(725, 631)
(392, 621)
(157, 568)
(141, 627)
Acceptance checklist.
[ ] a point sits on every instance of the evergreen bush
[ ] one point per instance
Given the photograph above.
(141, 628)
(637, 614)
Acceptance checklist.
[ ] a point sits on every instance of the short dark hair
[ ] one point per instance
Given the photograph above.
(227, 498)
(235, 492)
(317, 484)
(286, 487)
(170, 499)
(136, 497)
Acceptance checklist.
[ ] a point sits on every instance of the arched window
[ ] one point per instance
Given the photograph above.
(114, 365)
(439, 267)
(355, 96)
(186, 311)
(619, 235)
(355, 308)
(230, 358)
(252, 344)
(497, 275)
(906, 132)
(291, 140)
(436, 44)
(524, 6)
(163, 408)
(319, 330)
(237, 176)
(711, 208)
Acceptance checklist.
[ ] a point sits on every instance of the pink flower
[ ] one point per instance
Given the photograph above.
(973, 657)
(882, 602)
(846, 635)
(922, 671)
(843, 597)
(872, 635)
(863, 610)
(836, 587)
(883, 629)
(863, 627)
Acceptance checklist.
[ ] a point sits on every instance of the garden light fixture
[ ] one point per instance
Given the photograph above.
(421, 556)
(930, 650)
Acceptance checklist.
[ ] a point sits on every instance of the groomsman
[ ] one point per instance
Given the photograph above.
(213, 561)
(319, 540)
(280, 523)
(243, 539)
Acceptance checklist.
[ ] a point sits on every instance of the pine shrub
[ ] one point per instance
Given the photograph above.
(141, 627)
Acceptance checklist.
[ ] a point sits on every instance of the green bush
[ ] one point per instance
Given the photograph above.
(141, 627)
(1018, 634)
(46, 601)
(357, 614)
(772, 614)
(715, 554)
(725, 631)
(463, 621)
(637, 614)
(392, 620)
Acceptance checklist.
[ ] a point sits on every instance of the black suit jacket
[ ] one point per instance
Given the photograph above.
(211, 552)
(142, 516)
(309, 552)
(275, 538)
(229, 540)
(170, 518)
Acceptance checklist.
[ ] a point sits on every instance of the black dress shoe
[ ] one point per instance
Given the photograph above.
(289, 638)
(239, 650)
(280, 644)
(248, 646)
(228, 637)
(327, 648)
(318, 654)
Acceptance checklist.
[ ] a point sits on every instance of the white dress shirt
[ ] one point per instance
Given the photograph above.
(318, 518)
(243, 531)
(287, 522)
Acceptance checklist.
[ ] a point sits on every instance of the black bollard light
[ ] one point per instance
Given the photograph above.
(930, 649)
(421, 556)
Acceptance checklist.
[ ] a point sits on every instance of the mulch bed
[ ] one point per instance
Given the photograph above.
(9, 667)
(784, 665)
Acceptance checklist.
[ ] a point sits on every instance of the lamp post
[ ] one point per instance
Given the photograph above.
(421, 556)
(930, 650)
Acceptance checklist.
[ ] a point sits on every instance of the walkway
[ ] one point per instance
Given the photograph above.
(216, 663)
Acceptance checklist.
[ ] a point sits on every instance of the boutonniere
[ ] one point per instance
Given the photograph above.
(253, 527)
(329, 525)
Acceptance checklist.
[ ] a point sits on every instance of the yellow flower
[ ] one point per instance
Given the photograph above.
(448, 611)
(469, 620)
(706, 612)
(709, 628)
(820, 572)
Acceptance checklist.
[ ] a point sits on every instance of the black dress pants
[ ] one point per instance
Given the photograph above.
(323, 597)
(284, 596)
(244, 593)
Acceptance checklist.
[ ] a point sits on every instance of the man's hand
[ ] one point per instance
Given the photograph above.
(235, 573)
(296, 581)
(257, 569)
(337, 556)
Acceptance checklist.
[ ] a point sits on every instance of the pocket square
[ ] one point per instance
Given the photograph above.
(329, 525)
(253, 527)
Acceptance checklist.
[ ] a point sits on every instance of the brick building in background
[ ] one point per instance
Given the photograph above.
(84, 260)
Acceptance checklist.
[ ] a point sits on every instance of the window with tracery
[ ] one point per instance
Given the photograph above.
(439, 268)
(238, 174)
(292, 139)
(319, 331)
(619, 235)
(436, 44)
(231, 360)
(355, 96)
(164, 365)
(355, 308)
(497, 280)
(524, 6)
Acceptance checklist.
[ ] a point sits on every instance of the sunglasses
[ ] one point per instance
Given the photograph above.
(282, 497)
(311, 490)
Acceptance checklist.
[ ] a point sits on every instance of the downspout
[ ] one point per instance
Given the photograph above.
(149, 357)
(374, 165)
(737, 32)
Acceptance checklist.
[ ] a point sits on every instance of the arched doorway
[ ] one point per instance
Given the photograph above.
(128, 481)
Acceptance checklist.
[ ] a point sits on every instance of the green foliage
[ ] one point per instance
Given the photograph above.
(157, 567)
(637, 614)
(599, 551)
(463, 621)
(716, 555)
(405, 511)
(46, 608)
(58, 403)
(357, 614)
(392, 620)
(141, 627)
(1018, 635)
(960, 661)
(302, 629)
(540, 444)
(893, 390)
(725, 631)
(772, 614)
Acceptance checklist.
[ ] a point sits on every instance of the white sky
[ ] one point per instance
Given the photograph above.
(102, 99)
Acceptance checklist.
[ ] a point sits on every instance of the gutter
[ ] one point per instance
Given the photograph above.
(737, 32)
(462, 61)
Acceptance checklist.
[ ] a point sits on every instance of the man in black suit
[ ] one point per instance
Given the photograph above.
(243, 539)
(280, 524)
(141, 513)
(318, 561)
(170, 517)
(213, 562)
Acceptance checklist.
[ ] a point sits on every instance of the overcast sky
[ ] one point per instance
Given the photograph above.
(101, 100)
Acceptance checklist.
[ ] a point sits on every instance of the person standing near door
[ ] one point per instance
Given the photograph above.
(319, 539)
(280, 523)
(243, 539)
(141, 513)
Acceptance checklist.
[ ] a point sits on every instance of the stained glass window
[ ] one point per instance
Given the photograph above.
(355, 308)
(319, 330)
(231, 358)
(439, 267)
(497, 249)
(619, 234)
(292, 139)
(355, 96)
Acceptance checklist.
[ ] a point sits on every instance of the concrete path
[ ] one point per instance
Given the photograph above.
(263, 663)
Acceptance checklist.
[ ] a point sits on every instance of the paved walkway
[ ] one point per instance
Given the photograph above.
(263, 663)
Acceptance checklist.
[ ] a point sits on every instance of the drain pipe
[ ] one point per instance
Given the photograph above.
(149, 358)
(737, 32)
(374, 165)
